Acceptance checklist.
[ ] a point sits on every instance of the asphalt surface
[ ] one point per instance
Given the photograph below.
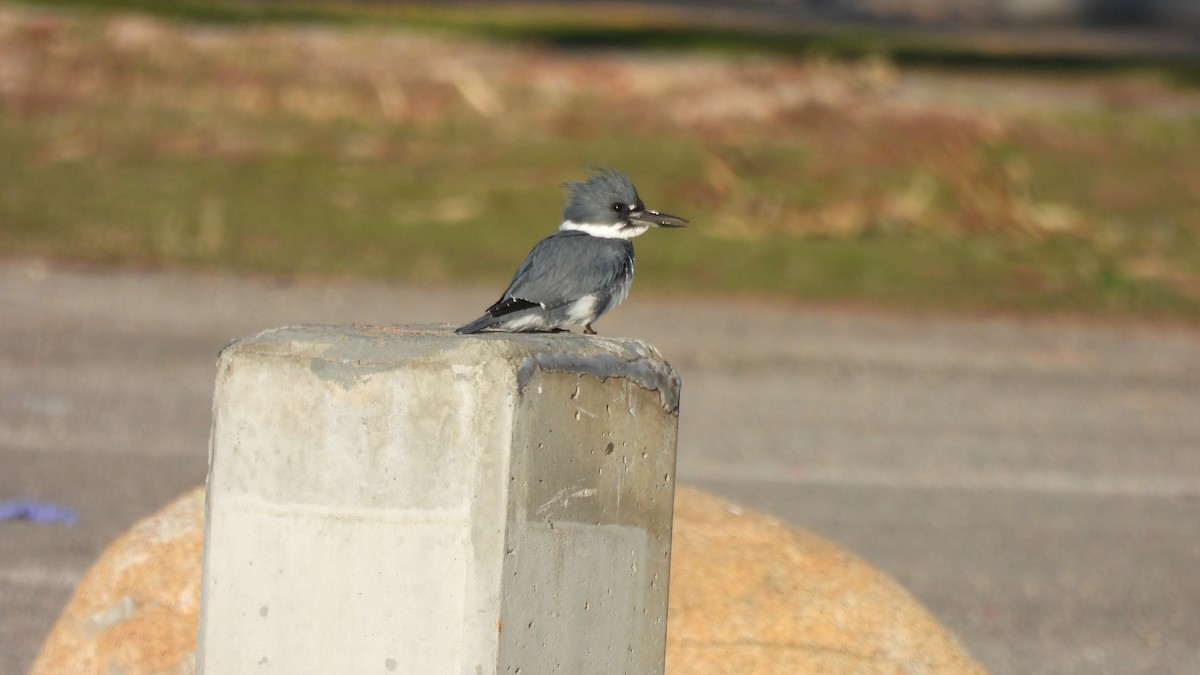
(1035, 483)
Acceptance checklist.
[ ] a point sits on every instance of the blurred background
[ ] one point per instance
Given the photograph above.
(1013, 184)
(1026, 155)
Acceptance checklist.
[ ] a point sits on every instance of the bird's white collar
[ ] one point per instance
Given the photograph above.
(604, 231)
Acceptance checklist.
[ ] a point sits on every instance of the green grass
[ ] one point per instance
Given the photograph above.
(156, 159)
(437, 220)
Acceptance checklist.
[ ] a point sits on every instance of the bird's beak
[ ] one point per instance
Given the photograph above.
(655, 219)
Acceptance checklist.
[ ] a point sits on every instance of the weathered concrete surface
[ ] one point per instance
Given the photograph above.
(749, 596)
(406, 500)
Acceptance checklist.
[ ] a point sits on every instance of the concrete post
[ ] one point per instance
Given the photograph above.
(404, 500)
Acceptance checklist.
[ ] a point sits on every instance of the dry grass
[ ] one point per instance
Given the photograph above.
(386, 151)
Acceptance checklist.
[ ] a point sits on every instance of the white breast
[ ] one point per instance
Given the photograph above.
(583, 310)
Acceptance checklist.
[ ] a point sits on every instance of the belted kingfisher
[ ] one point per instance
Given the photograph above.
(577, 274)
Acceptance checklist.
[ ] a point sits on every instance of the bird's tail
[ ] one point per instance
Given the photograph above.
(485, 321)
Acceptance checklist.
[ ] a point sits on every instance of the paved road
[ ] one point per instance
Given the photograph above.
(1036, 484)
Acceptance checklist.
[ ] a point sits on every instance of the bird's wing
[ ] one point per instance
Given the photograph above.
(508, 305)
(563, 268)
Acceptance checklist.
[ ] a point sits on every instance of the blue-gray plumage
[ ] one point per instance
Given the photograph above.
(574, 276)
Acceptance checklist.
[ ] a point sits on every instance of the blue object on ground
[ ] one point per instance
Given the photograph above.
(37, 512)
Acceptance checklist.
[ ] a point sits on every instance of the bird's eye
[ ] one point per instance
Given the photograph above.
(619, 207)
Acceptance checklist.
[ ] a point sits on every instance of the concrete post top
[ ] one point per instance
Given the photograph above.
(347, 352)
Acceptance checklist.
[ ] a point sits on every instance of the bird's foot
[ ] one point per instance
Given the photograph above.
(588, 330)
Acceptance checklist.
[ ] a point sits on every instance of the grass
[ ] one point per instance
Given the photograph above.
(646, 27)
(369, 151)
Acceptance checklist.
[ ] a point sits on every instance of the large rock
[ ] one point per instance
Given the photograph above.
(748, 595)
(137, 609)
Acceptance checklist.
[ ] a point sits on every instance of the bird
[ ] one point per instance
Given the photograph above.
(572, 277)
